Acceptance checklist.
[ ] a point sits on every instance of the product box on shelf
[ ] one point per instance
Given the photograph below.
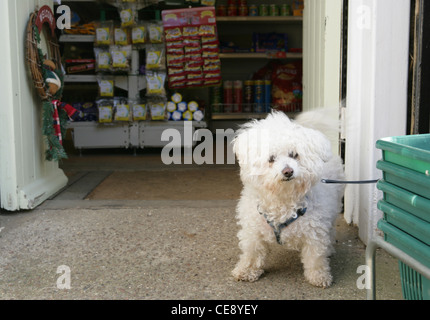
(192, 47)
(80, 66)
(263, 42)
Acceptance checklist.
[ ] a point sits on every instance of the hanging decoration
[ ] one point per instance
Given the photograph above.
(48, 79)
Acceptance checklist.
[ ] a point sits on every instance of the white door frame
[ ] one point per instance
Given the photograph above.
(376, 106)
(26, 179)
(322, 31)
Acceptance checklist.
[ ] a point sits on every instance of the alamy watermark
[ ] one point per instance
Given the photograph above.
(64, 281)
(64, 21)
(364, 281)
(202, 153)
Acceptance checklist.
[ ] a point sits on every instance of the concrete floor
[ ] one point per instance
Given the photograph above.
(156, 249)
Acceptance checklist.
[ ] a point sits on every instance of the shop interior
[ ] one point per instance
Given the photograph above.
(133, 71)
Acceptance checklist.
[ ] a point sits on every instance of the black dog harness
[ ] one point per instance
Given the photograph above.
(277, 229)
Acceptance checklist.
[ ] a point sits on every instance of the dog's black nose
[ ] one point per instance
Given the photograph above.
(288, 172)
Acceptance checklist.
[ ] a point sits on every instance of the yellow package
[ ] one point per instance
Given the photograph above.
(154, 58)
(104, 34)
(139, 112)
(128, 17)
(158, 110)
(120, 57)
(105, 114)
(138, 35)
(121, 37)
(156, 33)
(103, 60)
(106, 88)
(155, 83)
(122, 112)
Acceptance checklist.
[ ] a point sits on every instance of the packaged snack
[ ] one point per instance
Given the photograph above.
(106, 86)
(207, 30)
(121, 58)
(122, 37)
(138, 34)
(158, 109)
(128, 15)
(176, 71)
(177, 97)
(103, 59)
(200, 47)
(155, 81)
(287, 91)
(171, 106)
(194, 83)
(191, 32)
(178, 84)
(192, 50)
(155, 58)
(81, 66)
(210, 47)
(191, 42)
(122, 110)
(193, 106)
(104, 34)
(198, 115)
(174, 60)
(209, 40)
(173, 34)
(105, 110)
(176, 115)
(139, 110)
(175, 44)
(187, 115)
(182, 106)
(156, 32)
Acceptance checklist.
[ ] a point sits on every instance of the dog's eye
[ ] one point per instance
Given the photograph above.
(294, 155)
(272, 159)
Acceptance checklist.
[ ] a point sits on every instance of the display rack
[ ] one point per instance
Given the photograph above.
(241, 60)
(136, 134)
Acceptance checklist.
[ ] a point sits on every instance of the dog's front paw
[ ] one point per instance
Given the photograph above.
(319, 278)
(250, 275)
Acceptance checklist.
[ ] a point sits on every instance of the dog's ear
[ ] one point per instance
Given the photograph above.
(251, 144)
(319, 144)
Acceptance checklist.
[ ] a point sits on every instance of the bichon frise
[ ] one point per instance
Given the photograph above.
(283, 201)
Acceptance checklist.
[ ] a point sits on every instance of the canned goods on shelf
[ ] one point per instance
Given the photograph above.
(232, 11)
(259, 96)
(273, 10)
(263, 10)
(228, 96)
(268, 94)
(285, 10)
(221, 10)
(253, 10)
(248, 97)
(238, 96)
(243, 11)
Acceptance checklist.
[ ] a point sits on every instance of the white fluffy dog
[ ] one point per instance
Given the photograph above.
(283, 200)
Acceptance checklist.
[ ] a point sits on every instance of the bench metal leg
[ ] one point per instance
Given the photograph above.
(379, 242)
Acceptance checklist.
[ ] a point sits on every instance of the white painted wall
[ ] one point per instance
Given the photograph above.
(26, 179)
(378, 44)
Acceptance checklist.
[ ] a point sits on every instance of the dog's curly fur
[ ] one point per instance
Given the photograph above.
(281, 165)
